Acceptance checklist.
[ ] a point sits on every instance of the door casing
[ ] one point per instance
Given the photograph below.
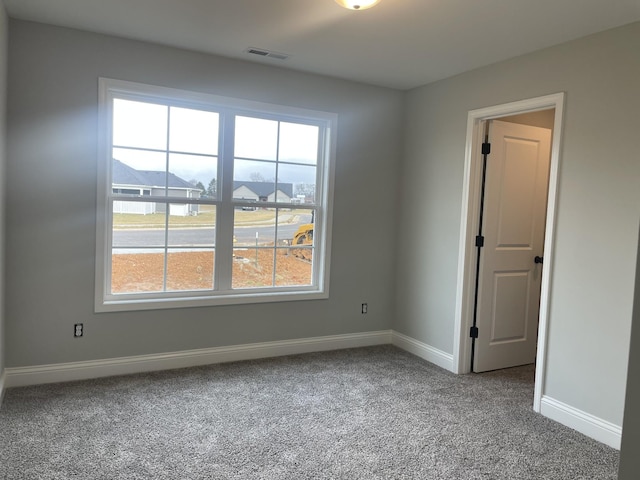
(469, 226)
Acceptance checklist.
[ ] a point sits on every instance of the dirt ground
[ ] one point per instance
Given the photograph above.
(194, 270)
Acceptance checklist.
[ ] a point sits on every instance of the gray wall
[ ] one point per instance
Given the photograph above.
(51, 178)
(4, 31)
(53, 92)
(629, 459)
(597, 215)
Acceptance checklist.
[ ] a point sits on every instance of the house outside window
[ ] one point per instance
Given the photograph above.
(205, 200)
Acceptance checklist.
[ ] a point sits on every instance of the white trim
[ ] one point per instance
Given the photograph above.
(424, 351)
(591, 426)
(186, 301)
(64, 372)
(470, 206)
(467, 256)
(549, 250)
(3, 381)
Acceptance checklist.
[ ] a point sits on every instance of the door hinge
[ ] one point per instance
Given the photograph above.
(479, 241)
(486, 148)
(473, 332)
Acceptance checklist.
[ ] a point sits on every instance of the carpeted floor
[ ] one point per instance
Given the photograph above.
(369, 413)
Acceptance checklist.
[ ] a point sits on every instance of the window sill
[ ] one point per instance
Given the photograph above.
(135, 304)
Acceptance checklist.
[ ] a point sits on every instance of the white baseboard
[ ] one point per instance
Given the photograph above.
(583, 422)
(422, 350)
(65, 372)
(591, 426)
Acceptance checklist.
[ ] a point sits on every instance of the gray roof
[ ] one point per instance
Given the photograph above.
(123, 174)
(264, 189)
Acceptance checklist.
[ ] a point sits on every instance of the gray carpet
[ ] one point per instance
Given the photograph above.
(369, 413)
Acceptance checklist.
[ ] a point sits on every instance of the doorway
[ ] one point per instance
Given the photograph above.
(470, 223)
(510, 240)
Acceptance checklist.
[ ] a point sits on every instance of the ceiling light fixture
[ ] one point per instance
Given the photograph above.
(357, 4)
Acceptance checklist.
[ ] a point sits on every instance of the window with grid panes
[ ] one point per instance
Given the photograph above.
(205, 200)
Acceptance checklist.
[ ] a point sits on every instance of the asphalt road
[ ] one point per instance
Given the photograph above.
(189, 237)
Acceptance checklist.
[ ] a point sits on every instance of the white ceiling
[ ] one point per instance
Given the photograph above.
(399, 43)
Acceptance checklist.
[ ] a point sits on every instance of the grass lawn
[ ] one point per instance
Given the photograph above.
(206, 218)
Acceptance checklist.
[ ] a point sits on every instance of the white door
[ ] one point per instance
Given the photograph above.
(515, 200)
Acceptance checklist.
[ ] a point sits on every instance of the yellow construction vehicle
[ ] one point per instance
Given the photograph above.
(303, 236)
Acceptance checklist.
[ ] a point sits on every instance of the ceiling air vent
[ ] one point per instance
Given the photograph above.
(261, 52)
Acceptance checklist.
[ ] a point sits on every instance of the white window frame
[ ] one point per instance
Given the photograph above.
(319, 288)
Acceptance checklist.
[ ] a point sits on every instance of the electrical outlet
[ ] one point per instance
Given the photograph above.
(365, 307)
(78, 329)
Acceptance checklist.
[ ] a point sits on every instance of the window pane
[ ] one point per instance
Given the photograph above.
(190, 269)
(191, 225)
(293, 267)
(296, 183)
(303, 237)
(134, 271)
(139, 124)
(141, 160)
(254, 227)
(138, 224)
(140, 169)
(254, 171)
(252, 267)
(254, 241)
(256, 138)
(254, 181)
(284, 192)
(193, 131)
(193, 176)
(291, 223)
(298, 143)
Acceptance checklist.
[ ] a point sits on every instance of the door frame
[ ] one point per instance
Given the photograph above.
(467, 253)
